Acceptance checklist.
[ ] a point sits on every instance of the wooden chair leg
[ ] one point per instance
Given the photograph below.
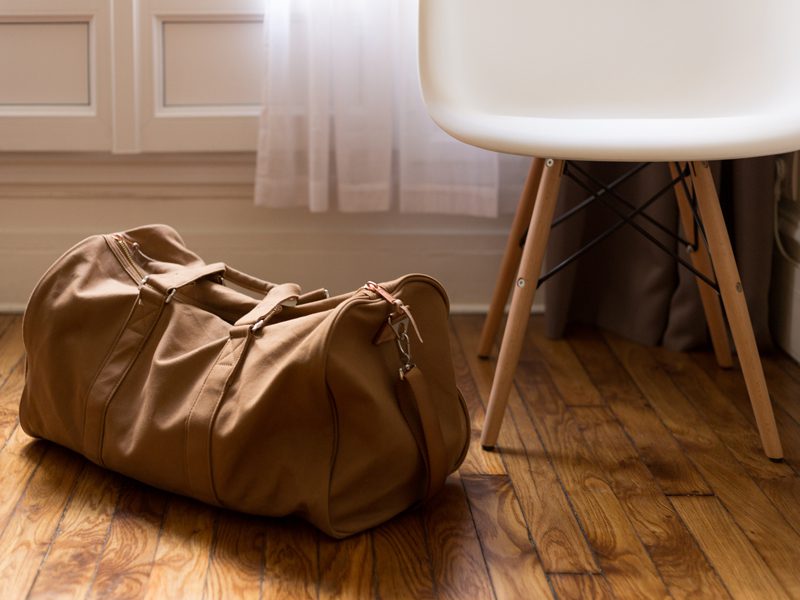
(730, 287)
(511, 258)
(701, 261)
(522, 299)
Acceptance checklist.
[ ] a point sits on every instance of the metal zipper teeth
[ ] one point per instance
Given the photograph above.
(126, 256)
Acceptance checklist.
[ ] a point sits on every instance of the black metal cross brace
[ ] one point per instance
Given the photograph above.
(610, 198)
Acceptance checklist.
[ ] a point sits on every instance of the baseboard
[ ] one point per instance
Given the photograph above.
(51, 201)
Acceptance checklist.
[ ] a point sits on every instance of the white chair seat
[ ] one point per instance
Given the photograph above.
(621, 139)
(615, 80)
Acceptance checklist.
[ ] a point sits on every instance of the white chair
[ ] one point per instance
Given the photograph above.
(681, 82)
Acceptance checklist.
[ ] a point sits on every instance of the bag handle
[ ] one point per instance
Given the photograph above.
(284, 294)
(248, 282)
(420, 414)
(171, 281)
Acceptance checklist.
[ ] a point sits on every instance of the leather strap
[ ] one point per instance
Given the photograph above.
(201, 417)
(246, 281)
(285, 294)
(420, 414)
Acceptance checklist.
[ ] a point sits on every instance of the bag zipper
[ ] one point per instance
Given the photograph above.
(125, 256)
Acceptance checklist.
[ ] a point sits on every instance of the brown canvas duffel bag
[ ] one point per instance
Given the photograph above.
(341, 410)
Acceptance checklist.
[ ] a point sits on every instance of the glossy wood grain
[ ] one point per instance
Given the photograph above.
(620, 472)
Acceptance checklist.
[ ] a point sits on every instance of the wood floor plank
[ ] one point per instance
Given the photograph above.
(69, 568)
(784, 390)
(5, 321)
(655, 444)
(292, 565)
(237, 558)
(31, 528)
(581, 586)
(10, 391)
(566, 468)
(729, 420)
(789, 365)
(181, 563)
(127, 559)
(674, 551)
(731, 384)
(720, 413)
(565, 369)
(402, 561)
(784, 492)
(11, 347)
(477, 461)
(514, 566)
(551, 521)
(740, 566)
(18, 461)
(764, 525)
(346, 567)
(626, 564)
(459, 570)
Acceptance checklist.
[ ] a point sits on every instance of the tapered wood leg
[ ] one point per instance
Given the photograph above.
(522, 299)
(702, 262)
(730, 287)
(511, 258)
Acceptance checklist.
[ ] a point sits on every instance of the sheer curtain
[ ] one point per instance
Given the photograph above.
(343, 125)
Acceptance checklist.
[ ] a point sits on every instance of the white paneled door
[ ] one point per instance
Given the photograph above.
(130, 76)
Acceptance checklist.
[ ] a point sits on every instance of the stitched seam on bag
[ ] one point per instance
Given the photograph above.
(189, 418)
(215, 411)
(105, 360)
(107, 404)
(332, 400)
(100, 369)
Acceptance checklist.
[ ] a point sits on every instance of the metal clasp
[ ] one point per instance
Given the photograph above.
(400, 328)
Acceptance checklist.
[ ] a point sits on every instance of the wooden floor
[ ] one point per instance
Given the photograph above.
(624, 471)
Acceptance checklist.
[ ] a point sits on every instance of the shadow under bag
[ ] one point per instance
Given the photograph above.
(341, 410)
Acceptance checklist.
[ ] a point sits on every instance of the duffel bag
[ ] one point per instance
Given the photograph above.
(341, 410)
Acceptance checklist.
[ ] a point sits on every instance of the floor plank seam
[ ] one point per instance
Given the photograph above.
(22, 494)
(703, 552)
(755, 548)
(376, 588)
(711, 426)
(12, 370)
(106, 538)
(426, 540)
(162, 522)
(622, 426)
(745, 471)
(11, 434)
(212, 550)
(655, 412)
(57, 531)
(557, 475)
(478, 537)
(631, 526)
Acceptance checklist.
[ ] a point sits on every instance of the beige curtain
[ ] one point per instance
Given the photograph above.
(628, 286)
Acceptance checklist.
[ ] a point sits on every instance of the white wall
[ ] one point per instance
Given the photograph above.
(50, 201)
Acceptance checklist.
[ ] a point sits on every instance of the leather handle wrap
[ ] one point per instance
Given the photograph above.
(419, 412)
(283, 294)
(246, 281)
(184, 276)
